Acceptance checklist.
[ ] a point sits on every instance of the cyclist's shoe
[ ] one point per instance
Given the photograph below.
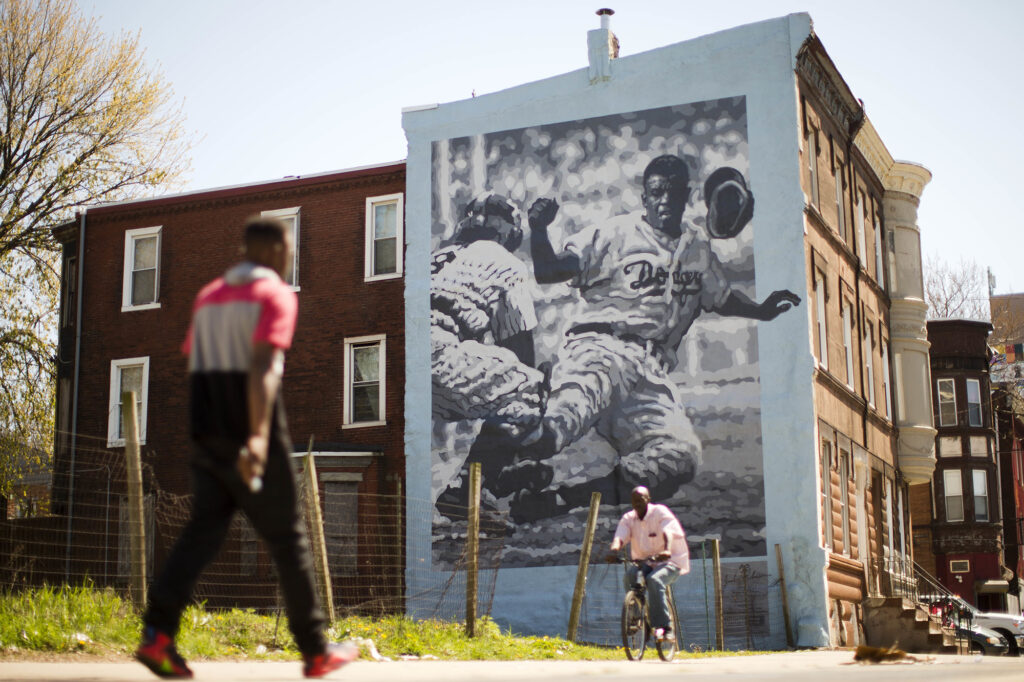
(664, 635)
(333, 657)
(158, 653)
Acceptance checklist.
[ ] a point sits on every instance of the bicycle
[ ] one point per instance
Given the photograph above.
(636, 621)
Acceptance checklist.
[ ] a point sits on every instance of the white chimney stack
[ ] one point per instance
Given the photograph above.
(602, 46)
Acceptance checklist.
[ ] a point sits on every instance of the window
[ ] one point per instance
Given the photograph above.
(364, 381)
(848, 343)
(826, 491)
(879, 268)
(812, 163)
(290, 217)
(886, 387)
(859, 217)
(844, 498)
(947, 403)
(384, 236)
(69, 305)
(819, 302)
(840, 209)
(141, 284)
(979, 446)
(954, 494)
(960, 566)
(950, 446)
(130, 374)
(868, 349)
(980, 495)
(973, 402)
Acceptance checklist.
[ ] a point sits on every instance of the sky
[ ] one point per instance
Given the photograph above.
(273, 88)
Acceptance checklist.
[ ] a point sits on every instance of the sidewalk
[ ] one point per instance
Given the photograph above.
(812, 666)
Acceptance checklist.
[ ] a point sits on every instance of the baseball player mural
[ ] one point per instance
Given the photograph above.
(624, 349)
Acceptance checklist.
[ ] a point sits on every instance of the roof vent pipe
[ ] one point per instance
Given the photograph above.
(602, 47)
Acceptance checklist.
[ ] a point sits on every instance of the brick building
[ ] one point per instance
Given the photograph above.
(958, 530)
(131, 272)
(1008, 410)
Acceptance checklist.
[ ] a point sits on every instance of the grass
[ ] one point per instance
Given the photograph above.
(97, 621)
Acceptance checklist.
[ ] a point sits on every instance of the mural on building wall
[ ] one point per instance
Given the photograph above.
(593, 328)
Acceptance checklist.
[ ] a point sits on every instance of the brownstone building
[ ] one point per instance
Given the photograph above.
(957, 519)
(863, 272)
(131, 273)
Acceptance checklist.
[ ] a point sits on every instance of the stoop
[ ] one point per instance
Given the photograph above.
(903, 622)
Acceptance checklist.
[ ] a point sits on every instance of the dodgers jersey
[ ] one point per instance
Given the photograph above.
(477, 288)
(641, 281)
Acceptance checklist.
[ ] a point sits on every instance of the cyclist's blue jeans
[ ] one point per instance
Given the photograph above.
(658, 578)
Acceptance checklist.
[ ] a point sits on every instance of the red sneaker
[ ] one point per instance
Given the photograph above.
(334, 657)
(158, 653)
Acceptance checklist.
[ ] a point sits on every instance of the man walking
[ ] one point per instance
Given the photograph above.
(241, 325)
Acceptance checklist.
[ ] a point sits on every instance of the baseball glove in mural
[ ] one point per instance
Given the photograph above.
(615, 344)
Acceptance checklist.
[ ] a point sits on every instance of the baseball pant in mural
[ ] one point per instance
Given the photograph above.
(620, 388)
(472, 380)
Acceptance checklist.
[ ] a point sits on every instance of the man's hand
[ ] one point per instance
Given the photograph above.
(252, 460)
(611, 558)
(541, 213)
(777, 303)
(662, 556)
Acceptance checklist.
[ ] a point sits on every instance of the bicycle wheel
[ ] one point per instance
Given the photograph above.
(634, 626)
(667, 648)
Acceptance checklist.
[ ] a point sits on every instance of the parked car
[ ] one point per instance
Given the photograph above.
(984, 641)
(955, 610)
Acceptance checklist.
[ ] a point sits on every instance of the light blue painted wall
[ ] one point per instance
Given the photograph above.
(757, 61)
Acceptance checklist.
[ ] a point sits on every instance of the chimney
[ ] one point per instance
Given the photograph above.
(602, 47)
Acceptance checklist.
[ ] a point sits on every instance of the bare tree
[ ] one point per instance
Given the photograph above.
(82, 120)
(955, 290)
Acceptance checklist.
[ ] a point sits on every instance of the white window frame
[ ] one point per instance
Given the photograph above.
(840, 208)
(381, 341)
(129, 260)
(981, 417)
(960, 566)
(845, 465)
(812, 164)
(869, 365)
(114, 405)
(848, 343)
(879, 267)
(938, 393)
(952, 480)
(861, 246)
(284, 214)
(825, 460)
(886, 382)
(979, 480)
(819, 301)
(399, 199)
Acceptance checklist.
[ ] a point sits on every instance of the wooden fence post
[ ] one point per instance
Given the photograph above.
(716, 569)
(472, 547)
(581, 572)
(315, 522)
(136, 516)
(785, 600)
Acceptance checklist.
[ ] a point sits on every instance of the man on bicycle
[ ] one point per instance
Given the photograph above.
(657, 545)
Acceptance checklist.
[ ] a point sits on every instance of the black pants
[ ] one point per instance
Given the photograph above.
(218, 491)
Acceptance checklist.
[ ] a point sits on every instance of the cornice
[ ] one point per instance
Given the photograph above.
(870, 145)
(833, 92)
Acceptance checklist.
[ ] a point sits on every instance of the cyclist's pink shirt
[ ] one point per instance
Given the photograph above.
(646, 536)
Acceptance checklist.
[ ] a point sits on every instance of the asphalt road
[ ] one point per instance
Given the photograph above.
(809, 666)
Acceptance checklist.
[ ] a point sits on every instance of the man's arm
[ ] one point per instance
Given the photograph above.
(265, 372)
(741, 305)
(548, 267)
